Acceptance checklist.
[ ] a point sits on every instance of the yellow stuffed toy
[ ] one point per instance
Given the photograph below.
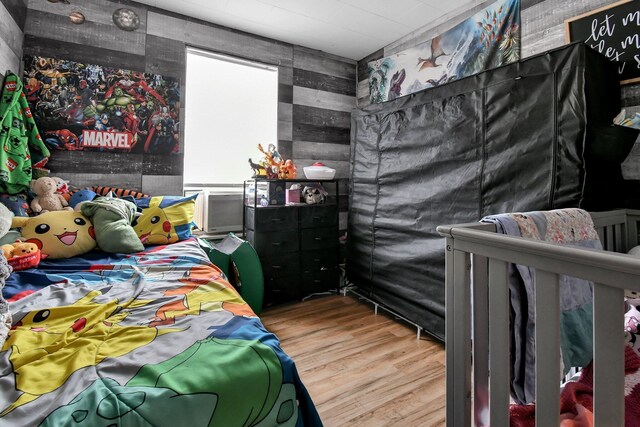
(18, 249)
(21, 255)
(24, 248)
(58, 234)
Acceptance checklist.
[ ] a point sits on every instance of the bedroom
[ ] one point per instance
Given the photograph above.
(317, 92)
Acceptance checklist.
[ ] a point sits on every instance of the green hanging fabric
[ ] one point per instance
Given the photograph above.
(21, 146)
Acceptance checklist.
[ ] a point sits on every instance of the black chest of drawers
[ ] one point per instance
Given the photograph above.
(298, 248)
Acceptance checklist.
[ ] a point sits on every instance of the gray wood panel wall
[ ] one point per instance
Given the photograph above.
(316, 90)
(12, 18)
(542, 29)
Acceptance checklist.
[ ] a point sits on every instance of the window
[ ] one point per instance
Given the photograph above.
(231, 107)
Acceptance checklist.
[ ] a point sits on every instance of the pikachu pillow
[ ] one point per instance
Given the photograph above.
(58, 234)
(164, 219)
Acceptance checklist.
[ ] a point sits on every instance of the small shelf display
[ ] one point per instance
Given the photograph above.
(290, 192)
(293, 226)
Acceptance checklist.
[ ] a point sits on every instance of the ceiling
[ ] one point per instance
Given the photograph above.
(348, 28)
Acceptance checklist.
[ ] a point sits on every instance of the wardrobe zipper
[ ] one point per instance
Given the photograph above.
(483, 148)
(375, 206)
(554, 146)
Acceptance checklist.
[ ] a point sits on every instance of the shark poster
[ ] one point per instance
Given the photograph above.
(488, 39)
(94, 108)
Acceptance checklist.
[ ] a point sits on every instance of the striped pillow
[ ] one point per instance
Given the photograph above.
(119, 192)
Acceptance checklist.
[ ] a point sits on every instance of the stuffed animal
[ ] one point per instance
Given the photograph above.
(62, 186)
(80, 197)
(24, 248)
(46, 197)
(22, 255)
(58, 234)
(314, 193)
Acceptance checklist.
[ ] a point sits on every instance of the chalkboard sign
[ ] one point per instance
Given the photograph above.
(614, 31)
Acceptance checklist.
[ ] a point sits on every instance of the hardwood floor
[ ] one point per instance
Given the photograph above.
(362, 369)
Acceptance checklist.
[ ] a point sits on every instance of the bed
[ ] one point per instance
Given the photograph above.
(156, 338)
(479, 308)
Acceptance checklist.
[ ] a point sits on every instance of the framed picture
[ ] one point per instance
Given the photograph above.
(614, 31)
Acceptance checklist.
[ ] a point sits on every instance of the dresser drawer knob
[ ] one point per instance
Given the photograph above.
(316, 260)
(315, 218)
(318, 238)
(276, 267)
(277, 219)
(276, 243)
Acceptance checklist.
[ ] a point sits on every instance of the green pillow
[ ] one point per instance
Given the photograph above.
(112, 218)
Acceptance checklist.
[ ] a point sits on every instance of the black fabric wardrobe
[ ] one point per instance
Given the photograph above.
(515, 138)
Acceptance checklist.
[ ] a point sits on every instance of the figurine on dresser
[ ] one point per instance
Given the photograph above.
(314, 193)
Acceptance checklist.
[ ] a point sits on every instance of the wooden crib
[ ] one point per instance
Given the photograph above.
(477, 331)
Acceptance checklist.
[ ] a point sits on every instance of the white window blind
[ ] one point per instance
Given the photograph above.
(231, 105)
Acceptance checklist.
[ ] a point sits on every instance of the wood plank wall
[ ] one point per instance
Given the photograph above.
(316, 90)
(12, 18)
(542, 29)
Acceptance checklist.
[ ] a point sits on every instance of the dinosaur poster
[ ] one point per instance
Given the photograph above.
(488, 39)
(89, 107)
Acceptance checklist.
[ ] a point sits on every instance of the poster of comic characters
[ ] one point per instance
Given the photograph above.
(89, 107)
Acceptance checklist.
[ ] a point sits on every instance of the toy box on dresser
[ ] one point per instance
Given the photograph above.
(297, 240)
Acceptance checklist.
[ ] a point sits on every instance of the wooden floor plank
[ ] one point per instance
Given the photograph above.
(362, 369)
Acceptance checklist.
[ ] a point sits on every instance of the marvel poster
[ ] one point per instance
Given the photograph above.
(89, 107)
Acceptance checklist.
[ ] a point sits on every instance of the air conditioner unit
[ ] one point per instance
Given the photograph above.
(217, 211)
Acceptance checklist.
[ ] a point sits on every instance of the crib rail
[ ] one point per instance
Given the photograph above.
(489, 346)
(618, 230)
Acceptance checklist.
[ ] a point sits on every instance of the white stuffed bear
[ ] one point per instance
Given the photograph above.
(47, 199)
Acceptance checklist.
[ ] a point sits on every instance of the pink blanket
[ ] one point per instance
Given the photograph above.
(580, 394)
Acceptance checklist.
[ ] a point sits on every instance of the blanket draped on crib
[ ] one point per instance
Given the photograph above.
(566, 227)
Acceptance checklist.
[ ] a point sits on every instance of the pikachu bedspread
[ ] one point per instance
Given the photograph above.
(158, 338)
